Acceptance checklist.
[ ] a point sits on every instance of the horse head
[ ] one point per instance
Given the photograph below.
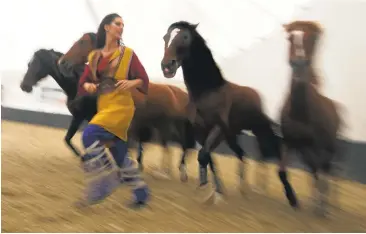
(77, 54)
(42, 64)
(179, 40)
(303, 37)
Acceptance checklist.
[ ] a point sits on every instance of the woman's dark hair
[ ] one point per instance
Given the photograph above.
(101, 34)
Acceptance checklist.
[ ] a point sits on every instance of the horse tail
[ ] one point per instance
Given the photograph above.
(269, 142)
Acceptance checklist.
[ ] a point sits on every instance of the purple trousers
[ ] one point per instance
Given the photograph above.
(103, 174)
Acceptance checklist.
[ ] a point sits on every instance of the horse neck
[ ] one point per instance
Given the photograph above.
(299, 98)
(67, 84)
(200, 71)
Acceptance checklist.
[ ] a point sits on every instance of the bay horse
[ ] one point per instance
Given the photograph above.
(225, 108)
(162, 111)
(309, 121)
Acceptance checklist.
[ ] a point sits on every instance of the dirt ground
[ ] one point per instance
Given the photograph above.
(41, 179)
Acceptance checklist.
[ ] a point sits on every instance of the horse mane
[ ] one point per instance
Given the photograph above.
(93, 37)
(47, 51)
(312, 25)
(201, 73)
(51, 56)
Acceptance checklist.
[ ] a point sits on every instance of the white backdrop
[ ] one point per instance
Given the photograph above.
(245, 36)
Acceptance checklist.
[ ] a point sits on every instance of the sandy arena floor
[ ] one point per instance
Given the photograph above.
(41, 179)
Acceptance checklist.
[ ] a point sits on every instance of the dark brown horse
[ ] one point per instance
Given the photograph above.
(162, 111)
(309, 120)
(225, 108)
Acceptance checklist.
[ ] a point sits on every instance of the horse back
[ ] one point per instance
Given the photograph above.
(245, 97)
(162, 99)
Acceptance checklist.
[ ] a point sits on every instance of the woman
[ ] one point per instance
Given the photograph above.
(120, 65)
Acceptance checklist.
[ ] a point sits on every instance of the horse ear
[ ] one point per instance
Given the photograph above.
(195, 25)
(285, 26)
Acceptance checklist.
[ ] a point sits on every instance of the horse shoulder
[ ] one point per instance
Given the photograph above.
(324, 111)
(179, 100)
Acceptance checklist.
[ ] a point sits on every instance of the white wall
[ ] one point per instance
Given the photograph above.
(341, 62)
(27, 26)
(234, 30)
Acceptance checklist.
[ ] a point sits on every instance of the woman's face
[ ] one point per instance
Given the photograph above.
(115, 29)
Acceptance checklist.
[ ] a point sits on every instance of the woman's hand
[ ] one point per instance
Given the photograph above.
(124, 85)
(90, 87)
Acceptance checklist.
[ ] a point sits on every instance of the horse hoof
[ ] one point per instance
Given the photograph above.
(82, 204)
(136, 205)
(243, 189)
(320, 213)
(258, 191)
(157, 174)
(215, 198)
(295, 205)
(320, 210)
(183, 177)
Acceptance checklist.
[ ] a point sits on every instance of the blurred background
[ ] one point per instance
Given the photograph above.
(246, 38)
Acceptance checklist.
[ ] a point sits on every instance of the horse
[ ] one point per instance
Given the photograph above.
(310, 122)
(162, 111)
(44, 63)
(225, 108)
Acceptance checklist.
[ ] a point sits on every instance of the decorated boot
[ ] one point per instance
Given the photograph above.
(101, 175)
(130, 174)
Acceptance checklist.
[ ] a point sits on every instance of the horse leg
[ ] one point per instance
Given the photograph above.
(314, 158)
(140, 151)
(187, 142)
(183, 167)
(164, 170)
(205, 158)
(166, 164)
(261, 171)
(322, 186)
(323, 181)
(232, 141)
(282, 174)
(270, 145)
(144, 135)
(73, 127)
(337, 171)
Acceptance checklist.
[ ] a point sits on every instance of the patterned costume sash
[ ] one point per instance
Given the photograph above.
(105, 79)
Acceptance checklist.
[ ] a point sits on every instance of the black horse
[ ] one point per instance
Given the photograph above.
(225, 108)
(45, 62)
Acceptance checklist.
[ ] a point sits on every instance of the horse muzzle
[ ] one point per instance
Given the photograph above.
(26, 87)
(170, 68)
(299, 62)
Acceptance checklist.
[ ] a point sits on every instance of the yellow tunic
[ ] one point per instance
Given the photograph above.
(115, 110)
